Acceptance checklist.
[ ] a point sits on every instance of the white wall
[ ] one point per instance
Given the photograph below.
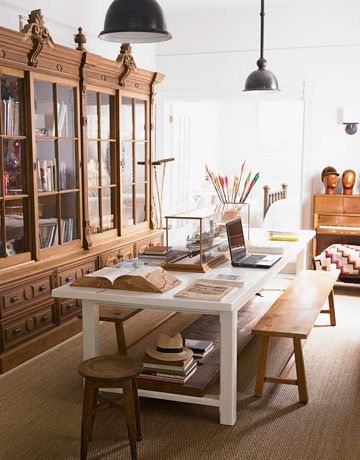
(317, 42)
(63, 19)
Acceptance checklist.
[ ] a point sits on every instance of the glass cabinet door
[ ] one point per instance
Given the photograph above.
(134, 156)
(57, 161)
(102, 162)
(14, 186)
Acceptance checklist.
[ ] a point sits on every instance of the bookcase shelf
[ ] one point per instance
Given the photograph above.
(62, 169)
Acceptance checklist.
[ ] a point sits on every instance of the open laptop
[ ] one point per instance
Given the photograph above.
(239, 256)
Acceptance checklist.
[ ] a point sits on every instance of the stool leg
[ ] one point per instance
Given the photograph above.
(300, 371)
(262, 366)
(137, 411)
(332, 309)
(86, 421)
(130, 417)
(95, 395)
(120, 338)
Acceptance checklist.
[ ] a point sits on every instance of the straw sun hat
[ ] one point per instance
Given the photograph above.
(169, 348)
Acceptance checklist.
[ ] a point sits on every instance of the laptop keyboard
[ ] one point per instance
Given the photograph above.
(253, 259)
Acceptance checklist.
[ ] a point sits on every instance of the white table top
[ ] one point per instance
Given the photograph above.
(254, 280)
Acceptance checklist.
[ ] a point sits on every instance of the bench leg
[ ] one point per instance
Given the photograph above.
(300, 371)
(332, 309)
(260, 380)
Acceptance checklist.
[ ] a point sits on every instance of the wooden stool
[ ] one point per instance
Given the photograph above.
(114, 371)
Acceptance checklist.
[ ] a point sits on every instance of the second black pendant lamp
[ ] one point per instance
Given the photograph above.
(135, 21)
(261, 79)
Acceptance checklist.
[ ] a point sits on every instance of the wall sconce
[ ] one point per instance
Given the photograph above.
(351, 118)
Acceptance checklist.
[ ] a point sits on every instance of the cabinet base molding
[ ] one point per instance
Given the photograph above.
(36, 346)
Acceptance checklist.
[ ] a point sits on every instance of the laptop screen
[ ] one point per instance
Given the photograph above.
(236, 239)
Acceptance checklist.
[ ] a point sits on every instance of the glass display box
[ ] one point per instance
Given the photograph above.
(197, 241)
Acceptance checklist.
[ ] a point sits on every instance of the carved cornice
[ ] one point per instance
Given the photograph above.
(37, 35)
(127, 60)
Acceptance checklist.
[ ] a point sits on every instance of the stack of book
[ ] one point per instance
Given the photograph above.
(200, 348)
(168, 371)
(161, 254)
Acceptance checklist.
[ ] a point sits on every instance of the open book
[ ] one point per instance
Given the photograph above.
(143, 279)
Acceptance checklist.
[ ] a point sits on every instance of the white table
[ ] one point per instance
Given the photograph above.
(226, 309)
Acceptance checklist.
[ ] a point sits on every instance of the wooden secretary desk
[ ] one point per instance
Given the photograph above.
(73, 197)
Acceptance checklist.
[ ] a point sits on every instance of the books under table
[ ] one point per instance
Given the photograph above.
(143, 279)
(200, 348)
(168, 371)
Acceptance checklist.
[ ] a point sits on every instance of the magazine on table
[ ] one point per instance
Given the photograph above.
(205, 290)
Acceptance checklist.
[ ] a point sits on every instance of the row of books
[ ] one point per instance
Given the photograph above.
(178, 372)
(49, 231)
(10, 116)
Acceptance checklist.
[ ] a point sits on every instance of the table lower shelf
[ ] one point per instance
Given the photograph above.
(207, 327)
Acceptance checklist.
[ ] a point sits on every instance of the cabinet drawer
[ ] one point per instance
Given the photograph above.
(15, 299)
(21, 329)
(68, 275)
(69, 308)
(114, 257)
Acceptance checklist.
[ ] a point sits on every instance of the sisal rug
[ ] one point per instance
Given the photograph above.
(40, 405)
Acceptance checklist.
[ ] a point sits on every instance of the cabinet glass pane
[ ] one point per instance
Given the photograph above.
(67, 158)
(48, 222)
(12, 112)
(127, 162)
(16, 227)
(108, 166)
(92, 115)
(94, 212)
(46, 166)
(93, 164)
(66, 111)
(2, 246)
(69, 217)
(14, 167)
(107, 111)
(108, 208)
(127, 196)
(126, 118)
(140, 149)
(140, 203)
(140, 116)
(44, 109)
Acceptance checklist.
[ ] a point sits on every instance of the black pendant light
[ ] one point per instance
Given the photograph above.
(261, 79)
(135, 21)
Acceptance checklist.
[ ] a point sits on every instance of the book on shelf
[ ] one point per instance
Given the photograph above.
(167, 378)
(143, 279)
(10, 116)
(152, 363)
(46, 175)
(228, 279)
(203, 290)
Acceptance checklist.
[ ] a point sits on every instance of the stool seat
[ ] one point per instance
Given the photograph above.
(111, 367)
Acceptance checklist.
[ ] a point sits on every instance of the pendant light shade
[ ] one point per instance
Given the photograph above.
(261, 79)
(135, 21)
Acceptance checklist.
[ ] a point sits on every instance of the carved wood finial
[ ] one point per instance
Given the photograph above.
(80, 39)
(37, 35)
(126, 58)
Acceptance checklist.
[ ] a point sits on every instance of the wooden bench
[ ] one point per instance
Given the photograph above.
(293, 316)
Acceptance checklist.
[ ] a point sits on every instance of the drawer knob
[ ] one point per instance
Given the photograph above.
(44, 318)
(14, 299)
(89, 270)
(70, 306)
(42, 288)
(16, 331)
(68, 278)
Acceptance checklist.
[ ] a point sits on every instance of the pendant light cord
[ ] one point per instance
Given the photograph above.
(262, 14)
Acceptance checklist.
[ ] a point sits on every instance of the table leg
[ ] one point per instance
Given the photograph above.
(301, 261)
(90, 319)
(228, 367)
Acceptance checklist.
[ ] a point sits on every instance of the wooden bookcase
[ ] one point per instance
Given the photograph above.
(73, 197)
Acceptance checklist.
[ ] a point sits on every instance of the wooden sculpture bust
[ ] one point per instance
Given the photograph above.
(348, 181)
(330, 178)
